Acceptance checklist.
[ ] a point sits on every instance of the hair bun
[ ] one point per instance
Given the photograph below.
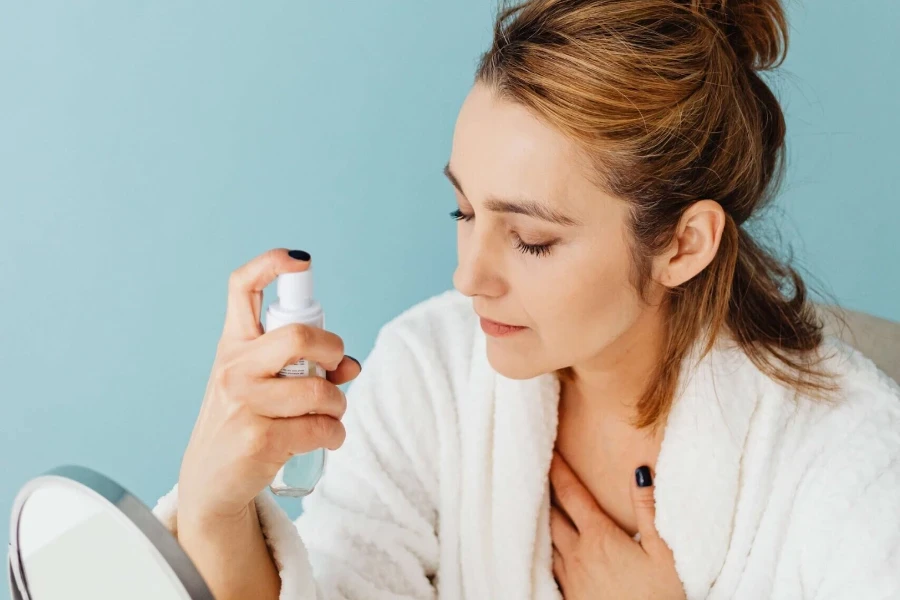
(756, 29)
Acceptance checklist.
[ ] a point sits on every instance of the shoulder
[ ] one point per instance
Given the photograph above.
(849, 491)
(850, 448)
(865, 417)
(439, 331)
(438, 316)
(863, 413)
(403, 400)
(830, 449)
(421, 359)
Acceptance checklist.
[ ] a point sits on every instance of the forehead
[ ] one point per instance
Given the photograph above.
(502, 149)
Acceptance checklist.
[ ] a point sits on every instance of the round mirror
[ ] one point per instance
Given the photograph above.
(77, 534)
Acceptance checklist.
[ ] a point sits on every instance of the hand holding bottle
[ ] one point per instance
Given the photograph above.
(251, 420)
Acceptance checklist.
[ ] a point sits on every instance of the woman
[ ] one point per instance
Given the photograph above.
(620, 398)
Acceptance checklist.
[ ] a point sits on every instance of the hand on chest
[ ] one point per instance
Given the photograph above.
(604, 453)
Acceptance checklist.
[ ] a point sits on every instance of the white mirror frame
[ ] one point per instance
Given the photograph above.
(116, 498)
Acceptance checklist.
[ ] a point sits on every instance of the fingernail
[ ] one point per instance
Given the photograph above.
(354, 360)
(299, 255)
(643, 477)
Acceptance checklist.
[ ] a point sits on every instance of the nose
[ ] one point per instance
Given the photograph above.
(479, 267)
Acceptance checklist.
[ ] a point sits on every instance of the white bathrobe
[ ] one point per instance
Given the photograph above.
(441, 488)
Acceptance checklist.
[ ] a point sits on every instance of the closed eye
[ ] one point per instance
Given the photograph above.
(461, 216)
(535, 249)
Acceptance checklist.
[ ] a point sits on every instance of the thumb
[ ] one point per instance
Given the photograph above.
(644, 504)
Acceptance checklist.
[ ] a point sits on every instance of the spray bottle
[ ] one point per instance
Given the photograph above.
(296, 304)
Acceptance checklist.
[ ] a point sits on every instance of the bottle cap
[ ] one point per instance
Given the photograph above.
(295, 290)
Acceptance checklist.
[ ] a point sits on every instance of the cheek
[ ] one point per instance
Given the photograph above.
(589, 300)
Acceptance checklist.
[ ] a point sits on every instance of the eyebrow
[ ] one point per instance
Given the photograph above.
(523, 206)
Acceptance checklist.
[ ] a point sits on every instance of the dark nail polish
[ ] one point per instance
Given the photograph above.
(643, 477)
(299, 255)
(354, 360)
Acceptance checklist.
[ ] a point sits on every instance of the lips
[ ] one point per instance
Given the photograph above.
(497, 329)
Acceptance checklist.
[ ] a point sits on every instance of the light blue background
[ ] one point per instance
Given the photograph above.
(149, 148)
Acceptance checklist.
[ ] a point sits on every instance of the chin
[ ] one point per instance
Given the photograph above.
(513, 366)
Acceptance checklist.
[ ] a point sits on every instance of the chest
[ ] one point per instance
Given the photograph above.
(604, 452)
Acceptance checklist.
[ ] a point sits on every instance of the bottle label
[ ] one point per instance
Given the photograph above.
(303, 368)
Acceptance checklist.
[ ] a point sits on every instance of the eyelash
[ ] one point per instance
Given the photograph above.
(535, 249)
(461, 216)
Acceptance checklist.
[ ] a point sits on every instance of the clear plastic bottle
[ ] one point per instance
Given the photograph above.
(296, 304)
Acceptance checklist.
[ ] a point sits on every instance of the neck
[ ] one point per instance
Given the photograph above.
(613, 381)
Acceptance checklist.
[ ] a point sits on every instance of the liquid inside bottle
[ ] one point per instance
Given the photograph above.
(295, 304)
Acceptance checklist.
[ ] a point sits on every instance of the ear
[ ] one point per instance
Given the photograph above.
(694, 244)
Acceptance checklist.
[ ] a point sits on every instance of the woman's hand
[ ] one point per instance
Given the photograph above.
(252, 421)
(593, 558)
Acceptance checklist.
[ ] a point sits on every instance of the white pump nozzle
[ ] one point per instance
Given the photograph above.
(295, 290)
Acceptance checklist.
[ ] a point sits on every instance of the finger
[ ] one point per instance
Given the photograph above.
(572, 496)
(299, 435)
(559, 569)
(246, 285)
(270, 352)
(348, 369)
(644, 504)
(277, 440)
(283, 397)
(562, 531)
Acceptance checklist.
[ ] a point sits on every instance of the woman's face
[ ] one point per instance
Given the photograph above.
(539, 245)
